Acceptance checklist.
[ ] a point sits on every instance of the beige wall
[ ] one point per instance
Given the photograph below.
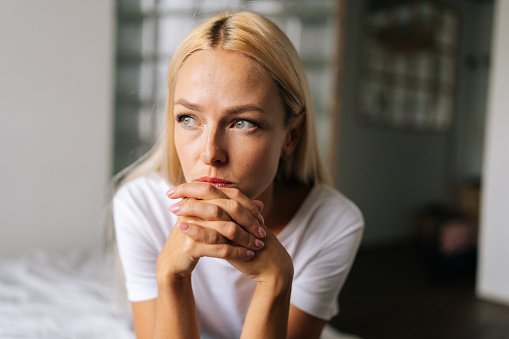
(493, 274)
(56, 67)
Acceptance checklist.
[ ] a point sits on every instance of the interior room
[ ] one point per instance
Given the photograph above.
(411, 110)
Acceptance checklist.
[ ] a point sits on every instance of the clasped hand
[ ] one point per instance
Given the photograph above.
(221, 223)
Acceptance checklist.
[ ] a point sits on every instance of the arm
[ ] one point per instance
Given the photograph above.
(270, 307)
(176, 310)
(268, 311)
(271, 267)
(144, 316)
(200, 231)
(172, 314)
(318, 285)
(301, 325)
(175, 315)
(177, 259)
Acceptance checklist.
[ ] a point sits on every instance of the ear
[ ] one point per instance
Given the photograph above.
(292, 138)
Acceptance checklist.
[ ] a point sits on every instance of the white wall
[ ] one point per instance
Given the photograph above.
(493, 273)
(56, 85)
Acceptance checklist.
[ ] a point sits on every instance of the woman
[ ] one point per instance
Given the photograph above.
(255, 244)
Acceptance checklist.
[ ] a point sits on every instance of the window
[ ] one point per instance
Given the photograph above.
(408, 66)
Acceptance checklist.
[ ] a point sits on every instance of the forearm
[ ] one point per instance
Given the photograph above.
(176, 310)
(267, 316)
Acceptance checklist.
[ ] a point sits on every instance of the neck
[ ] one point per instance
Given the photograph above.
(281, 201)
(267, 197)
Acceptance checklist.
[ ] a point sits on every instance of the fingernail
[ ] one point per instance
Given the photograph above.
(183, 226)
(260, 219)
(170, 192)
(250, 254)
(174, 208)
(262, 232)
(259, 243)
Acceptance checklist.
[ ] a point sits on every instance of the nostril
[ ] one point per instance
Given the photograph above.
(213, 155)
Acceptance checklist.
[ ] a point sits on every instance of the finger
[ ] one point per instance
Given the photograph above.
(204, 191)
(253, 207)
(219, 232)
(219, 210)
(259, 204)
(201, 234)
(197, 190)
(199, 209)
(221, 250)
(228, 252)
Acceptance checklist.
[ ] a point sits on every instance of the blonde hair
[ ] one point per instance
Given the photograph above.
(260, 39)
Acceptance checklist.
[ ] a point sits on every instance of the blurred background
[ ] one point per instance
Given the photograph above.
(411, 101)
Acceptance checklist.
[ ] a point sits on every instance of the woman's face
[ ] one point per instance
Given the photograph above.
(229, 122)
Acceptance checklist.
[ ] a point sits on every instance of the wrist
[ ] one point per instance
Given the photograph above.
(276, 286)
(170, 280)
(279, 281)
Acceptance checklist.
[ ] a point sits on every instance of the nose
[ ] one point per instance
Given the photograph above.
(213, 149)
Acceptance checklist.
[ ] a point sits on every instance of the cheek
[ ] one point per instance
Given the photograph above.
(263, 159)
(184, 151)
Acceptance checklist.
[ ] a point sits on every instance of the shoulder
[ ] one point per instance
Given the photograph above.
(323, 244)
(327, 217)
(142, 187)
(142, 201)
(331, 204)
(142, 193)
(142, 224)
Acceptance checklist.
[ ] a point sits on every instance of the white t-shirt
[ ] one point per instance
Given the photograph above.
(322, 239)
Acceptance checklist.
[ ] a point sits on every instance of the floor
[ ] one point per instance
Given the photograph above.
(395, 293)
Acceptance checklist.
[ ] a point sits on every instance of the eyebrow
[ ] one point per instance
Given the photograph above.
(231, 110)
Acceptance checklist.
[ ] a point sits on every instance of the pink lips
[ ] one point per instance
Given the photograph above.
(218, 182)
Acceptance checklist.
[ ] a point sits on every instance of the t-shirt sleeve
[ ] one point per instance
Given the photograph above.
(318, 283)
(138, 254)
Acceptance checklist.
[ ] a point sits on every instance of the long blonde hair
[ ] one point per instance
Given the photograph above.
(260, 39)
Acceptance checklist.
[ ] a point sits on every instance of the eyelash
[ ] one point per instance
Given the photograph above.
(180, 116)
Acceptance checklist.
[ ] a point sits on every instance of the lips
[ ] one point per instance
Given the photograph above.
(217, 182)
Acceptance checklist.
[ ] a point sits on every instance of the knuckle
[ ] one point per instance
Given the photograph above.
(235, 206)
(216, 212)
(189, 245)
(235, 193)
(183, 187)
(213, 238)
(210, 189)
(251, 241)
(231, 230)
(225, 251)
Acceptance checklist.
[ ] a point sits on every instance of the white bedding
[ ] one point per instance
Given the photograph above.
(72, 296)
(44, 296)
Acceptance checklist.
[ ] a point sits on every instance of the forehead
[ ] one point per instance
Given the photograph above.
(227, 73)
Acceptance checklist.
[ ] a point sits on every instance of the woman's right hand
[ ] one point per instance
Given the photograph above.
(213, 222)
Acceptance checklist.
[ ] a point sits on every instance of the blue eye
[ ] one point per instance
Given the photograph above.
(186, 120)
(244, 124)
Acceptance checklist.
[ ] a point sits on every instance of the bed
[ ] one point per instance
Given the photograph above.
(74, 296)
